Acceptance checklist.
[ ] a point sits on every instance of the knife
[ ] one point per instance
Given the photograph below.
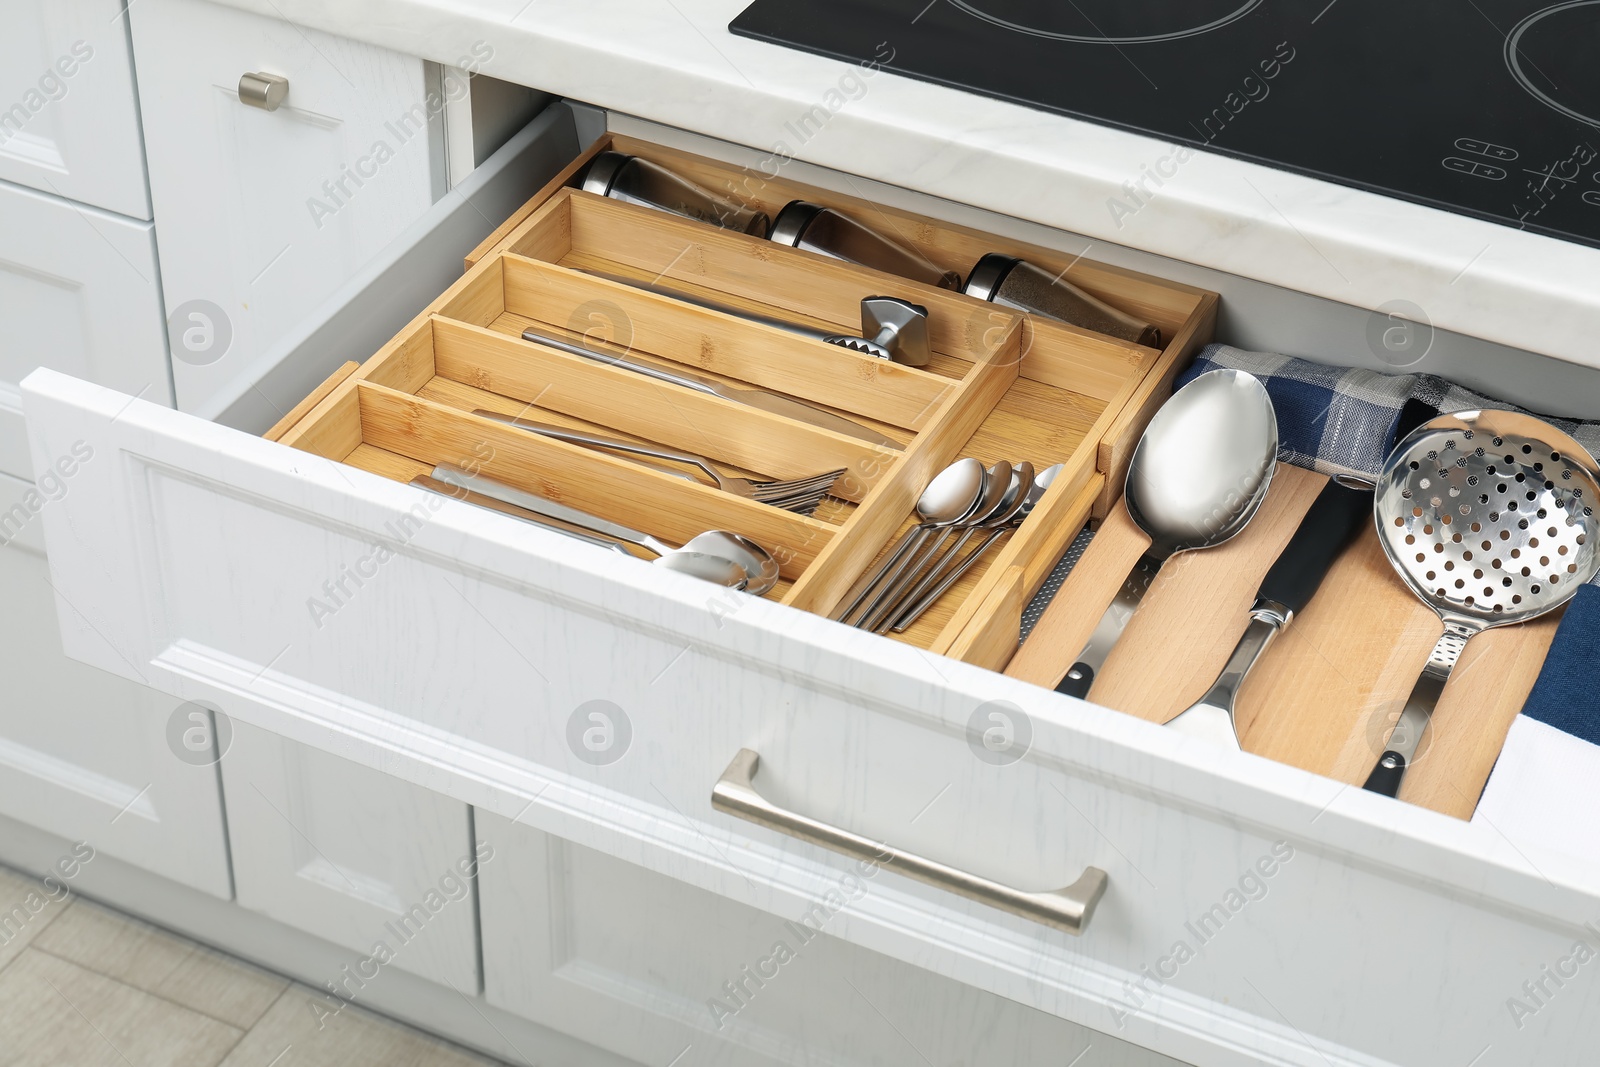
(1336, 516)
(754, 398)
(891, 328)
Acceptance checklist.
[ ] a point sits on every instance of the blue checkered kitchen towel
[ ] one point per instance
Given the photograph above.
(1338, 420)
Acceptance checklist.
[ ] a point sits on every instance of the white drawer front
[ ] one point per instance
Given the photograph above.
(652, 968)
(69, 123)
(79, 292)
(471, 652)
(262, 214)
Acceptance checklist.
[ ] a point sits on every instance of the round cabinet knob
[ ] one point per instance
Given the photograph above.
(265, 91)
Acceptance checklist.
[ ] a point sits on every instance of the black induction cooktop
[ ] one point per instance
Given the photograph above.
(1488, 108)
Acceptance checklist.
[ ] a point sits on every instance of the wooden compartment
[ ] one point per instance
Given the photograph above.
(1325, 692)
(999, 386)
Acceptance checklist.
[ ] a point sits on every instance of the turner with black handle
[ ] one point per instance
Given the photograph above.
(1336, 516)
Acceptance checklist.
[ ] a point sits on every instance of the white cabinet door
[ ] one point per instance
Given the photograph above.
(659, 971)
(263, 214)
(353, 856)
(69, 123)
(78, 292)
(87, 755)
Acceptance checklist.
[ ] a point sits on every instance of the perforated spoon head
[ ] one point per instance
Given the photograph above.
(1489, 516)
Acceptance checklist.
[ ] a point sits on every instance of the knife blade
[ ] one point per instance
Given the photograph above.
(1336, 516)
(776, 403)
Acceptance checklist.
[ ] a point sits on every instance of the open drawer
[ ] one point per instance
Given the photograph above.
(1253, 913)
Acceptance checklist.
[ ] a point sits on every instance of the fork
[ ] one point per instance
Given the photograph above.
(801, 495)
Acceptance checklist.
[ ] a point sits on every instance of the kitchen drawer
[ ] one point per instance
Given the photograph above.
(263, 213)
(1255, 913)
(79, 292)
(575, 939)
(69, 120)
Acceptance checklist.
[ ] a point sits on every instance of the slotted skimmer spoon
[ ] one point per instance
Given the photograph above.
(1489, 518)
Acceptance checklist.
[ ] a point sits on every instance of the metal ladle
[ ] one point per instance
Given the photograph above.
(1199, 473)
(707, 556)
(1489, 517)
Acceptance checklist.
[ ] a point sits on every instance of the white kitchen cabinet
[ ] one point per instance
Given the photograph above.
(69, 119)
(87, 755)
(352, 855)
(460, 667)
(652, 968)
(79, 291)
(262, 214)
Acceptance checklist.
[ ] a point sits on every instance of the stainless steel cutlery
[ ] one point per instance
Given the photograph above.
(799, 494)
(776, 403)
(1198, 475)
(961, 502)
(719, 556)
(891, 328)
(997, 527)
(951, 496)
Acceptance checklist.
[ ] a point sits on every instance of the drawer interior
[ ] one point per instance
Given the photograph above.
(572, 268)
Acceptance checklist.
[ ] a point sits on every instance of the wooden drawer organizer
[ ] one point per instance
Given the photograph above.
(1324, 693)
(1000, 386)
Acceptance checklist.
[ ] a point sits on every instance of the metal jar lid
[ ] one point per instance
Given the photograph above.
(988, 275)
(792, 221)
(602, 174)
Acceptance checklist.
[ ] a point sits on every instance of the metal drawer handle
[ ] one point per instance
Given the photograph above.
(1066, 909)
(265, 91)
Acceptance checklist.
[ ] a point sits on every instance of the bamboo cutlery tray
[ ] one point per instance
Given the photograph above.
(999, 386)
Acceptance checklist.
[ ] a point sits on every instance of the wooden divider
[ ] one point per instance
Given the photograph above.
(885, 508)
(1031, 552)
(671, 508)
(746, 437)
(1133, 410)
(708, 340)
(789, 280)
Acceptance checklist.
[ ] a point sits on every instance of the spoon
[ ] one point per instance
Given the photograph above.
(1016, 493)
(700, 565)
(1199, 473)
(707, 556)
(953, 494)
(996, 484)
(999, 526)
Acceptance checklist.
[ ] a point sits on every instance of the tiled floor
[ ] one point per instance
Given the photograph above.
(81, 984)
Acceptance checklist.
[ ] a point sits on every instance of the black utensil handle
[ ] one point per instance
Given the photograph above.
(1078, 682)
(1385, 777)
(1336, 516)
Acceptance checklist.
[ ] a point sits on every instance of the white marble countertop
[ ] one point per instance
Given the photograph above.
(674, 62)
